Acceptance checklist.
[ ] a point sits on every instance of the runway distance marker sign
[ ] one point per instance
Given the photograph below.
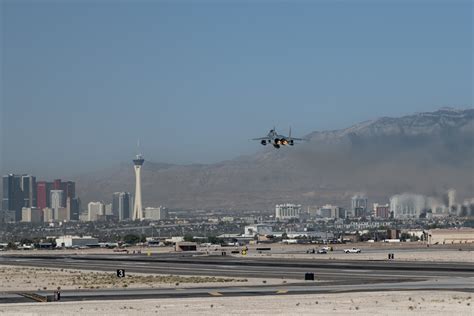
(121, 273)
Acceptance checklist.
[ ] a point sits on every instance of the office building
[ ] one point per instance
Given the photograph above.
(13, 199)
(407, 205)
(156, 214)
(381, 210)
(287, 211)
(73, 205)
(452, 207)
(108, 209)
(43, 194)
(327, 211)
(95, 210)
(62, 214)
(340, 212)
(68, 187)
(359, 206)
(48, 215)
(56, 201)
(31, 215)
(28, 186)
(121, 205)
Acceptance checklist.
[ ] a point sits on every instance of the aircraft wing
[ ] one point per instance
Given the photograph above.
(261, 138)
(300, 139)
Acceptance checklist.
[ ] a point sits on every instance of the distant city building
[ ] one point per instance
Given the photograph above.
(287, 211)
(62, 214)
(31, 215)
(68, 187)
(258, 230)
(156, 214)
(12, 195)
(95, 209)
(436, 206)
(452, 207)
(313, 212)
(108, 209)
(341, 212)
(327, 211)
(73, 205)
(48, 215)
(121, 205)
(43, 194)
(56, 201)
(381, 210)
(359, 206)
(407, 205)
(84, 216)
(28, 186)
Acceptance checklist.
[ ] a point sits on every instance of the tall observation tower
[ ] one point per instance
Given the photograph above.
(137, 207)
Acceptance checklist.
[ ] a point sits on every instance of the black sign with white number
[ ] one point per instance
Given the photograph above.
(121, 273)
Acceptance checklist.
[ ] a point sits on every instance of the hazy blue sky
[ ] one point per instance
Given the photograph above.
(82, 80)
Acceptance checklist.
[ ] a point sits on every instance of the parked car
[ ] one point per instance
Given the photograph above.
(352, 250)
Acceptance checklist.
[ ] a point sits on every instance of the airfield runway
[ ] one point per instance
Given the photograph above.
(228, 266)
(333, 276)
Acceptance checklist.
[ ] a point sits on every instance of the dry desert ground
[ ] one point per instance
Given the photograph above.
(431, 303)
(32, 279)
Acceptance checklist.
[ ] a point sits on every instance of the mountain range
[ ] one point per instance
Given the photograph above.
(424, 153)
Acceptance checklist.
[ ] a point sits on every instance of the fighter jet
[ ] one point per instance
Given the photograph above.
(277, 140)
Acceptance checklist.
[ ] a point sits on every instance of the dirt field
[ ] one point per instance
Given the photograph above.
(32, 279)
(388, 303)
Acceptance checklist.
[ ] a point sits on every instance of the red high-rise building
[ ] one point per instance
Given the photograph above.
(57, 184)
(43, 191)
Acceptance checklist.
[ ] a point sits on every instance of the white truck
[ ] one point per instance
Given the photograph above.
(352, 250)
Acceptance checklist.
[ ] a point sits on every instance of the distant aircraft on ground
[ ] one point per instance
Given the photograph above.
(277, 140)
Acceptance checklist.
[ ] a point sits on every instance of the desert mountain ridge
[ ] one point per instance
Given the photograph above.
(424, 153)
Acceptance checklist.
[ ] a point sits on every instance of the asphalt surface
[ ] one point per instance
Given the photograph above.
(249, 267)
(336, 275)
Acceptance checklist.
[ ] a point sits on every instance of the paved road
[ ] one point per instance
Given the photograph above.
(336, 270)
(338, 275)
(453, 284)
